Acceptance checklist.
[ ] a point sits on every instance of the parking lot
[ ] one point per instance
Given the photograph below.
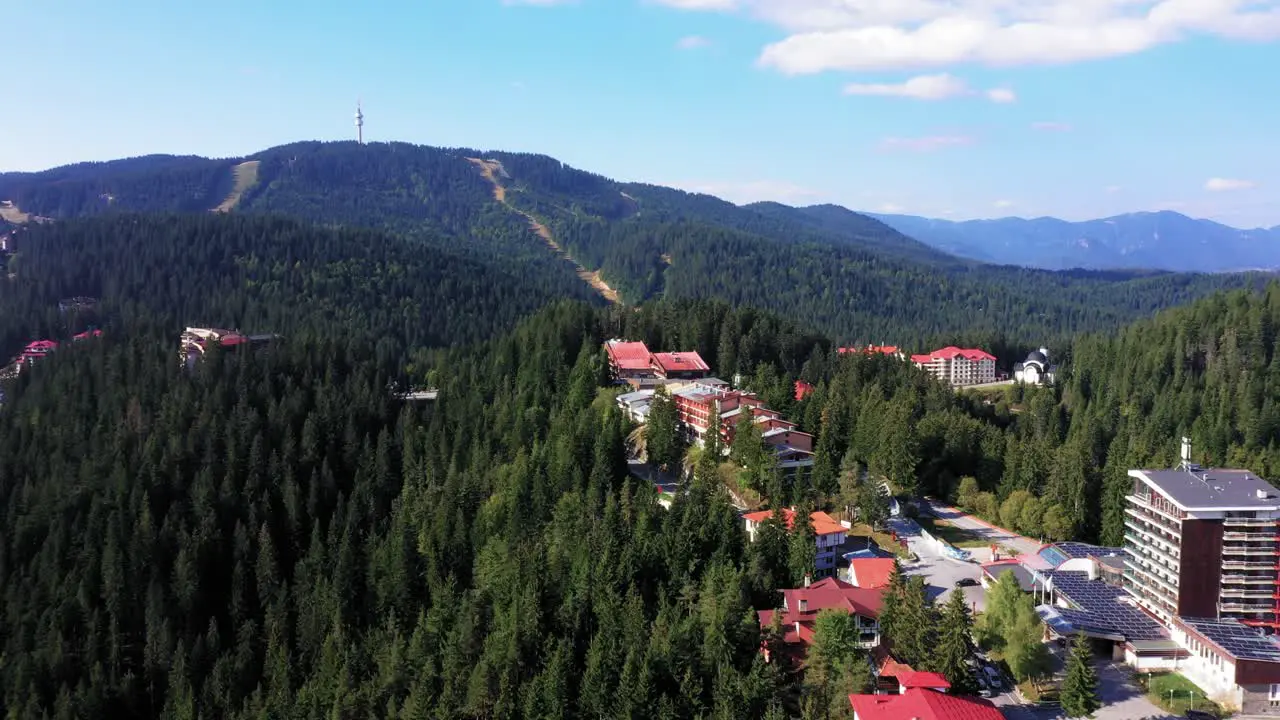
(940, 572)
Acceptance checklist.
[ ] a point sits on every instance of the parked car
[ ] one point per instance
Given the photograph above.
(966, 582)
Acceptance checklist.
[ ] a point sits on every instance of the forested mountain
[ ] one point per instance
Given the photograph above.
(845, 273)
(1157, 240)
(362, 289)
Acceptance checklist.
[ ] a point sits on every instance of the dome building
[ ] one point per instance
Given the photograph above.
(1035, 370)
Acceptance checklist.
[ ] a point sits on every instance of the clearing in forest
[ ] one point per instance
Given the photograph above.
(491, 169)
(12, 213)
(246, 176)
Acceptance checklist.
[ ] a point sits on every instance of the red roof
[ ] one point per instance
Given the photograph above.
(871, 572)
(952, 352)
(823, 524)
(922, 679)
(826, 594)
(628, 355)
(922, 705)
(41, 346)
(685, 361)
(871, 350)
(802, 389)
(87, 334)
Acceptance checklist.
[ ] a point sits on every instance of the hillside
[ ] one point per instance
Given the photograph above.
(363, 289)
(1159, 240)
(845, 273)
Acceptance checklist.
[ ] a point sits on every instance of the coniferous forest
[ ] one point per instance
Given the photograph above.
(275, 534)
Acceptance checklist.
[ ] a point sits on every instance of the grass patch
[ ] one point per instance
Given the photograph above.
(1173, 692)
(1039, 691)
(732, 474)
(944, 530)
(881, 538)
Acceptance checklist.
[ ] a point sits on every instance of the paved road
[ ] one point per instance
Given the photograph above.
(963, 520)
(1121, 700)
(939, 571)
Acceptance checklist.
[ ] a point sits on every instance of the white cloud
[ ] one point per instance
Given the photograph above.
(1003, 203)
(1226, 184)
(692, 42)
(1051, 126)
(751, 191)
(928, 87)
(867, 35)
(890, 208)
(927, 143)
(1001, 95)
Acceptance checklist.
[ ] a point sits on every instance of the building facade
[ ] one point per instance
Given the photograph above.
(828, 535)
(633, 363)
(959, 366)
(1204, 543)
(1035, 370)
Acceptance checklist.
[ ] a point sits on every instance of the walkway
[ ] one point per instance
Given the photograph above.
(982, 528)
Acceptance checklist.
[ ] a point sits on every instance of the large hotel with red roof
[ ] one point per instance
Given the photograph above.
(959, 366)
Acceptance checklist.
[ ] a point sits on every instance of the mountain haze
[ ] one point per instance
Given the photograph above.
(1155, 240)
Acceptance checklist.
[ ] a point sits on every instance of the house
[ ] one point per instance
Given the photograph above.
(959, 366)
(829, 535)
(87, 334)
(635, 405)
(922, 704)
(803, 389)
(37, 350)
(195, 342)
(800, 608)
(1035, 370)
(871, 572)
(680, 365)
(630, 361)
(633, 363)
(889, 350)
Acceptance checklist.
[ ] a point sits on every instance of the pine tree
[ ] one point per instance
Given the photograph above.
(917, 637)
(662, 432)
(955, 645)
(803, 552)
(1080, 687)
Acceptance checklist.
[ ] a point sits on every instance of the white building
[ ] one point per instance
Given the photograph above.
(1035, 370)
(959, 366)
(829, 535)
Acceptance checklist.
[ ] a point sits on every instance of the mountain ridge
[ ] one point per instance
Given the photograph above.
(1163, 240)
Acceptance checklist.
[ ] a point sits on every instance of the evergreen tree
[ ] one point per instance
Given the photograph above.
(955, 645)
(1080, 686)
(663, 441)
(802, 547)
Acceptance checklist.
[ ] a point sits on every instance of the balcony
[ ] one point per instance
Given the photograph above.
(1149, 513)
(1151, 582)
(1250, 522)
(1248, 579)
(1259, 550)
(1143, 545)
(1243, 607)
(1247, 593)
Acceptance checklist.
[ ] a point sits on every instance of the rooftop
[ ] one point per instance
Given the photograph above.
(681, 361)
(1026, 579)
(922, 679)
(1101, 608)
(1211, 489)
(870, 572)
(628, 355)
(921, 704)
(823, 524)
(952, 352)
(1235, 639)
(826, 594)
(1058, 553)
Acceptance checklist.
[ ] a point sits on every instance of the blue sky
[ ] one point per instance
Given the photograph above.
(955, 108)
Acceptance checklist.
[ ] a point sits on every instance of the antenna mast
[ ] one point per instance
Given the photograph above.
(359, 124)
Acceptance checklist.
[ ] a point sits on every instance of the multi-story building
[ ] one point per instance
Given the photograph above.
(196, 341)
(801, 606)
(1204, 543)
(959, 366)
(699, 404)
(828, 535)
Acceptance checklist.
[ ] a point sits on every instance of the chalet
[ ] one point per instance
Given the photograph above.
(800, 608)
(887, 350)
(803, 389)
(37, 350)
(633, 363)
(87, 335)
(919, 703)
(829, 535)
(959, 366)
(871, 572)
(195, 342)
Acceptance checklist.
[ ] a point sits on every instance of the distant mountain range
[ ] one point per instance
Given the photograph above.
(1149, 240)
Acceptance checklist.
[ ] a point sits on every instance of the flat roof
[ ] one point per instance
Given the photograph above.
(1103, 608)
(1026, 579)
(1213, 489)
(1238, 640)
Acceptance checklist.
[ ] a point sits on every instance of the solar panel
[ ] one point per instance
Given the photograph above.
(1242, 641)
(1098, 606)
